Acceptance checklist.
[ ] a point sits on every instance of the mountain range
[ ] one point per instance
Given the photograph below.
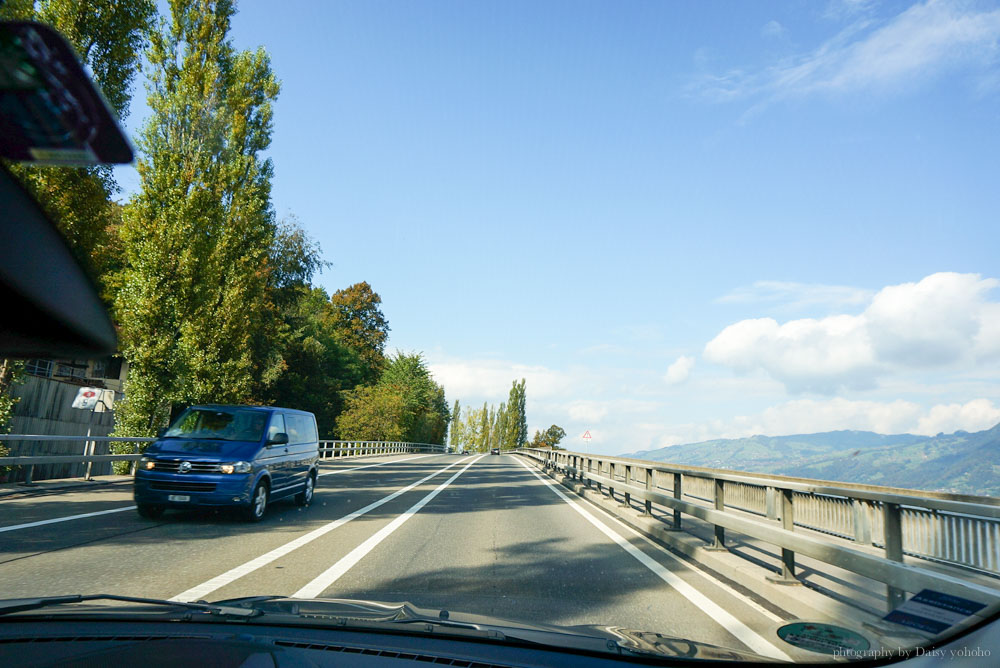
(960, 463)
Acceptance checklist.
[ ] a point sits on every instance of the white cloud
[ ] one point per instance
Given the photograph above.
(491, 379)
(584, 411)
(797, 295)
(772, 29)
(679, 371)
(924, 39)
(974, 415)
(944, 320)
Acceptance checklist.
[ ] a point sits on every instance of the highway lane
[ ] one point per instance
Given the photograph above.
(469, 534)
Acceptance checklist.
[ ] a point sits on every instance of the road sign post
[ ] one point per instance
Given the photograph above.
(96, 400)
(586, 440)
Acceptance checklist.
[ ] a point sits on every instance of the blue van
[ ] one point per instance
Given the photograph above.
(243, 456)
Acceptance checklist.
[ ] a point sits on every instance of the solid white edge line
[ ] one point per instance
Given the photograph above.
(39, 523)
(716, 583)
(198, 592)
(319, 584)
(368, 466)
(734, 626)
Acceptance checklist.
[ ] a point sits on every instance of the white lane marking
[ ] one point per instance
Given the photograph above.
(718, 583)
(741, 631)
(332, 574)
(81, 516)
(200, 591)
(368, 466)
(39, 523)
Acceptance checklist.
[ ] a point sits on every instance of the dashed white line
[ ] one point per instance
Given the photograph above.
(368, 466)
(207, 587)
(67, 518)
(332, 574)
(741, 631)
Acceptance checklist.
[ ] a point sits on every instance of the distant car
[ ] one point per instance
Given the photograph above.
(495, 451)
(465, 451)
(244, 456)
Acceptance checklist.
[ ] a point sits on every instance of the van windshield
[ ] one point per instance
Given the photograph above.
(226, 424)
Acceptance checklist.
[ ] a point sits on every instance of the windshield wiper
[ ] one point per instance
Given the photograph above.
(11, 606)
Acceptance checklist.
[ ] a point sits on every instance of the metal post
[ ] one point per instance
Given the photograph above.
(628, 476)
(862, 522)
(787, 575)
(770, 503)
(611, 476)
(892, 522)
(678, 492)
(648, 505)
(719, 541)
(88, 447)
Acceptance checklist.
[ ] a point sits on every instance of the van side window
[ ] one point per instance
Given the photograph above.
(277, 426)
(300, 429)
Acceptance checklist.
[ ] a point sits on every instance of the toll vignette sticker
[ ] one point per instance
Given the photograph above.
(933, 611)
(824, 638)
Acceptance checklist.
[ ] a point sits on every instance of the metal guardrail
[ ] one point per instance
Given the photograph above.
(327, 450)
(953, 529)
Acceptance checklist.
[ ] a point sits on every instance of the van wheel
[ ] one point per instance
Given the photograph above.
(305, 497)
(258, 503)
(150, 511)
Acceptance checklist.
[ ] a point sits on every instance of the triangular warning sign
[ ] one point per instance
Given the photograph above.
(586, 434)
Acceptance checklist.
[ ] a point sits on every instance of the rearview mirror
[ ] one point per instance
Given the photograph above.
(281, 438)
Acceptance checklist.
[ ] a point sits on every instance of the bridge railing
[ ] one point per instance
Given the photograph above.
(954, 529)
(69, 465)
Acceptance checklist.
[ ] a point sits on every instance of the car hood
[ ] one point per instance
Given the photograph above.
(602, 639)
(198, 448)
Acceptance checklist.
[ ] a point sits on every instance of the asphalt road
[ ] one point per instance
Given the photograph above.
(482, 534)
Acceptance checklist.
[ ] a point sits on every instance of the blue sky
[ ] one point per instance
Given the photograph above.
(677, 221)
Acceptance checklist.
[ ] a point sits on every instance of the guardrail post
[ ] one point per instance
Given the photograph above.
(678, 493)
(719, 541)
(628, 476)
(862, 521)
(647, 507)
(893, 527)
(770, 505)
(787, 575)
(611, 477)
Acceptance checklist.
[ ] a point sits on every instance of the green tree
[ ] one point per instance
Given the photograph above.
(420, 406)
(360, 325)
(550, 438)
(456, 427)
(516, 428)
(373, 413)
(197, 238)
(316, 370)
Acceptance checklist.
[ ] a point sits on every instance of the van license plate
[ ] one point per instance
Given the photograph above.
(178, 497)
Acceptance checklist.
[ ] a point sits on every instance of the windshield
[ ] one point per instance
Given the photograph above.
(674, 321)
(225, 424)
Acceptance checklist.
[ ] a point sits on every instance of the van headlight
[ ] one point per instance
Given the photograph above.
(235, 467)
(147, 463)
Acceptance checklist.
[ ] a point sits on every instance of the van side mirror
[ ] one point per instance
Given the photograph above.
(281, 438)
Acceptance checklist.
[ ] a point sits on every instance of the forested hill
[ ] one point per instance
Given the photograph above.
(963, 462)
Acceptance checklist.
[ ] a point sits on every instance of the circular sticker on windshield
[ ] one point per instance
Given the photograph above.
(824, 638)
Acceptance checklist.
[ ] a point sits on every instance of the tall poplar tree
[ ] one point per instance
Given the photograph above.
(196, 238)
(455, 437)
(516, 434)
